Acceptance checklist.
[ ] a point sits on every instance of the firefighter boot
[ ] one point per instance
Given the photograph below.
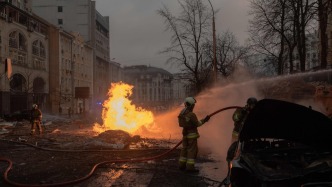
(32, 132)
(33, 128)
(182, 166)
(40, 129)
(190, 168)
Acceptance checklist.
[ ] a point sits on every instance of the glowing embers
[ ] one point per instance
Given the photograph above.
(119, 113)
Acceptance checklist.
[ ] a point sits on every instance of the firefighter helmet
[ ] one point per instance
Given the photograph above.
(189, 101)
(251, 101)
(237, 115)
(34, 106)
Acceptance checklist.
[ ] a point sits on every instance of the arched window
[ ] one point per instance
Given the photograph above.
(17, 40)
(38, 85)
(18, 48)
(38, 48)
(13, 40)
(18, 83)
(35, 47)
(42, 50)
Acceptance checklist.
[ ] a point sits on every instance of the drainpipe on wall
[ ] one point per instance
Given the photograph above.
(72, 77)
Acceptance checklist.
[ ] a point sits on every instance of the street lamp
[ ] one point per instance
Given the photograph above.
(214, 45)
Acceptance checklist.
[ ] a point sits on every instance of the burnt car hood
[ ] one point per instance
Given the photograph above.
(285, 120)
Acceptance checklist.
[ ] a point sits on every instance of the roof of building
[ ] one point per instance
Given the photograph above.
(103, 20)
(143, 69)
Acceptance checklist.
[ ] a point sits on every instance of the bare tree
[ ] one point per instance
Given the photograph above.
(229, 53)
(303, 11)
(267, 30)
(28, 87)
(324, 9)
(278, 27)
(190, 30)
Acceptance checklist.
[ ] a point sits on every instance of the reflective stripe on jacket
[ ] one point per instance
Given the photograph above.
(191, 161)
(188, 120)
(192, 135)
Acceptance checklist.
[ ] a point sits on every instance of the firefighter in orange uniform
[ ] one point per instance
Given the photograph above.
(36, 117)
(189, 122)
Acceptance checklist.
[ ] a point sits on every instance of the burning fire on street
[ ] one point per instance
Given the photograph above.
(119, 113)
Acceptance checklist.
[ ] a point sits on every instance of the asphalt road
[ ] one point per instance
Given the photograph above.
(43, 167)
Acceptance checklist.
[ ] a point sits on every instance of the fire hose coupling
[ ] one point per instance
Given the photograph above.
(206, 119)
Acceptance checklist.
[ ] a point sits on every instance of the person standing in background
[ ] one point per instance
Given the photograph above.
(36, 118)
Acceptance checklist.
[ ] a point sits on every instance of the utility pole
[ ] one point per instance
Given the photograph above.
(214, 45)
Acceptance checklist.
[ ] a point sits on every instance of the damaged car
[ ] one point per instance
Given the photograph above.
(282, 144)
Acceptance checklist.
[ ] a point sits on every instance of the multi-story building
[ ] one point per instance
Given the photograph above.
(81, 16)
(181, 88)
(71, 63)
(115, 72)
(329, 36)
(312, 51)
(152, 86)
(260, 65)
(312, 54)
(23, 40)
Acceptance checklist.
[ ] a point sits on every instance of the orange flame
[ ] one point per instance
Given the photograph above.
(120, 114)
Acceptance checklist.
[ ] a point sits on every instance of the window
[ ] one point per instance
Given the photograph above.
(13, 40)
(19, 4)
(59, 8)
(18, 83)
(42, 50)
(60, 22)
(38, 49)
(35, 48)
(17, 40)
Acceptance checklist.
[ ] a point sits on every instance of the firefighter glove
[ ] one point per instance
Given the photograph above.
(206, 119)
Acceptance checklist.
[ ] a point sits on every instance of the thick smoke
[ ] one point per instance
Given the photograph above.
(216, 134)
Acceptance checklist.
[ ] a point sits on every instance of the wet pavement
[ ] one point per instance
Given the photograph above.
(43, 160)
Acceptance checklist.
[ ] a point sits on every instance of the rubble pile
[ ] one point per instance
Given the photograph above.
(74, 134)
(116, 139)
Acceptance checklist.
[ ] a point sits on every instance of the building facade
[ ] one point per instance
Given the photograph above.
(181, 88)
(312, 55)
(81, 16)
(329, 35)
(152, 86)
(71, 66)
(115, 72)
(23, 40)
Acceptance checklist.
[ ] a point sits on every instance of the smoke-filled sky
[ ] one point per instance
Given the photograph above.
(137, 32)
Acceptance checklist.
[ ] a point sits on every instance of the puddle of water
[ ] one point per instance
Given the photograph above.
(121, 177)
(216, 170)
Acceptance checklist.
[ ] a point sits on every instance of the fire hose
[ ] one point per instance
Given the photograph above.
(10, 163)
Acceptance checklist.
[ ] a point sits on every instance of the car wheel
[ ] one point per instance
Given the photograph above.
(241, 178)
